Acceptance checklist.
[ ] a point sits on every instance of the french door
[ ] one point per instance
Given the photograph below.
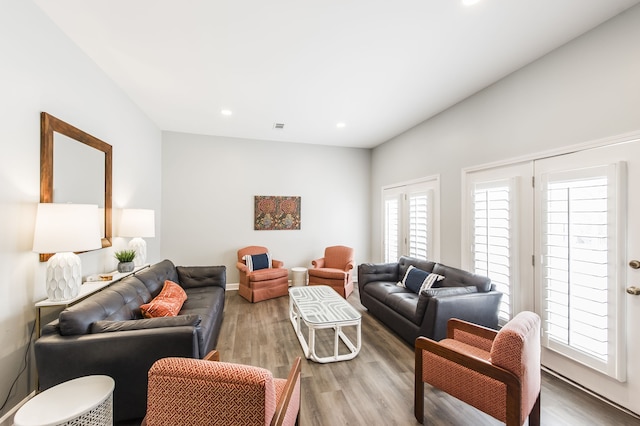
(571, 235)
(586, 235)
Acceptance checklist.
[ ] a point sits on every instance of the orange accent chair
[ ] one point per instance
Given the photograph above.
(335, 269)
(261, 284)
(498, 372)
(198, 392)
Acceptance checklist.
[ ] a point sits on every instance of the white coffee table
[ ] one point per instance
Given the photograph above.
(86, 401)
(322, 307)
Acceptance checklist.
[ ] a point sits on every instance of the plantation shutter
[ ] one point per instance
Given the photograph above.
(419, 225)
(579, 240)
(492, 227)
(392, 230)
(410, 221)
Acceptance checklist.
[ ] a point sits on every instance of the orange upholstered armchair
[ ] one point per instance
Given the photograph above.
(335, 269)
(261, 277)
(198, 392)
(498, 372)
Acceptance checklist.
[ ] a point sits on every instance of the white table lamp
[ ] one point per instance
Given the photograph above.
(64, 229)
(137, 223)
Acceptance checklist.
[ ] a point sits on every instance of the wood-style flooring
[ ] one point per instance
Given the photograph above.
(375, 388)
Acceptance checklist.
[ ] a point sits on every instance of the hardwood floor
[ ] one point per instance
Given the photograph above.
(375, 388)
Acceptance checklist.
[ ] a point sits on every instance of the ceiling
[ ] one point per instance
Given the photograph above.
(378, 66)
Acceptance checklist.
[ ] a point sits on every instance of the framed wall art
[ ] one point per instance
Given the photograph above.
(276, 213)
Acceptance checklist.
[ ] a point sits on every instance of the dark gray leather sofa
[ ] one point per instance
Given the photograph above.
(106, 334)
(460, 295)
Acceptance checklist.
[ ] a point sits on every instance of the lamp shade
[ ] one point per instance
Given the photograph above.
(66, 228)
(137, 223)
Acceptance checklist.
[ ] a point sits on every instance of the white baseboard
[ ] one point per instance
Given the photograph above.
(231, 286)
(7, 419)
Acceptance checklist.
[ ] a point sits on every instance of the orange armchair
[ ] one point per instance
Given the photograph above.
(196, 392)
(498, 372)
(335, 269)
(271, 281)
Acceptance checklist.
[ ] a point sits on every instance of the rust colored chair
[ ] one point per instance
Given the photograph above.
(261, 277)
(198, 392)
(335, 269)
(498, 372)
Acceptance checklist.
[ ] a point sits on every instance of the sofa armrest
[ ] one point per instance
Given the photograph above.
(126, 356)
(318, 263)
(478, 308)
(202, 276)
(372, 272)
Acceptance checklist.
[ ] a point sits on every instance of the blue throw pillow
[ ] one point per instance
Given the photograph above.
(414, 278)
(417, 280)
(258, 261)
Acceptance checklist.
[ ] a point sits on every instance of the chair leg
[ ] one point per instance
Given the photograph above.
(418, 403)
(534, 415)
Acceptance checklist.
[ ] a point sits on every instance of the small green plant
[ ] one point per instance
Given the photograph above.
(125, 256)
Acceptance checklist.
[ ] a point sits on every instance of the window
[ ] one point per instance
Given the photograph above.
(491, 246)
(579, 234)
(410, 221)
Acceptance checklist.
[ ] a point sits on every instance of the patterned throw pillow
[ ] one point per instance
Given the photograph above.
(167, 303)
(417, 280)
(257, 261)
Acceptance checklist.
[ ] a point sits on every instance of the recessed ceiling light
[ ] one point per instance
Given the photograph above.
(226, 112)
(470, 2)
(340, 125)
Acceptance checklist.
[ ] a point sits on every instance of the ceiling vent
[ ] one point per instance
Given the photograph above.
(278, 126)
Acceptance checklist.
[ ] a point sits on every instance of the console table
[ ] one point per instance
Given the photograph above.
(86, 289)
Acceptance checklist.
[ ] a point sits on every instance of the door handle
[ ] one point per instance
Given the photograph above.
(634, 264)
(633, 290)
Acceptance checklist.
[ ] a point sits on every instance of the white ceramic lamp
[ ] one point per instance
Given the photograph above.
(139, 224)
(64, 229)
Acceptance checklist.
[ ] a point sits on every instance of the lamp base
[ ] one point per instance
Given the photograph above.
(140, 246)
(64, 276)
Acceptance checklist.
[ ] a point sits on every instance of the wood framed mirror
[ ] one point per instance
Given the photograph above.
(75, 167)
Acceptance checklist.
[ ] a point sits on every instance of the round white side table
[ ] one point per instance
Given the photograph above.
(86, 401)
(299, 276)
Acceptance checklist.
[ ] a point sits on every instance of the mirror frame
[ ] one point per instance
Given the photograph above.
(48, 126)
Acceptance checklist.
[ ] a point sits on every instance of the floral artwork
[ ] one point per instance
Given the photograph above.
(276, 212)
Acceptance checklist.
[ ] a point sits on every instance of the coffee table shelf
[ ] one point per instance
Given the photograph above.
(321, 307)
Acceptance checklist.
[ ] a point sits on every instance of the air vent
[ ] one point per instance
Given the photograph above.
(278, 126)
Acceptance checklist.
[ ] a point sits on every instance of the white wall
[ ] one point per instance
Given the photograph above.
(43, 71)
(586, 90)
(208, 190)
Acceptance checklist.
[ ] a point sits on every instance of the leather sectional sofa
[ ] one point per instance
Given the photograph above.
(460, 294)
(106, 333)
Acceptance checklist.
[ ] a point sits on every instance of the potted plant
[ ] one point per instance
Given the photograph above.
(125, 260)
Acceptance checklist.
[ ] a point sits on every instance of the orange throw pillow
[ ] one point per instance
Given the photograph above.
(166, 304)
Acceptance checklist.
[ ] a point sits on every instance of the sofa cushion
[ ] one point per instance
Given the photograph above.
(141, 324)
(155, 276)
(455, 277)
(207, 303)
(448, 291)
(166, 304)
(256, 262)
(120, 301)
(404, 262)
(200, 276)
(268, 274)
